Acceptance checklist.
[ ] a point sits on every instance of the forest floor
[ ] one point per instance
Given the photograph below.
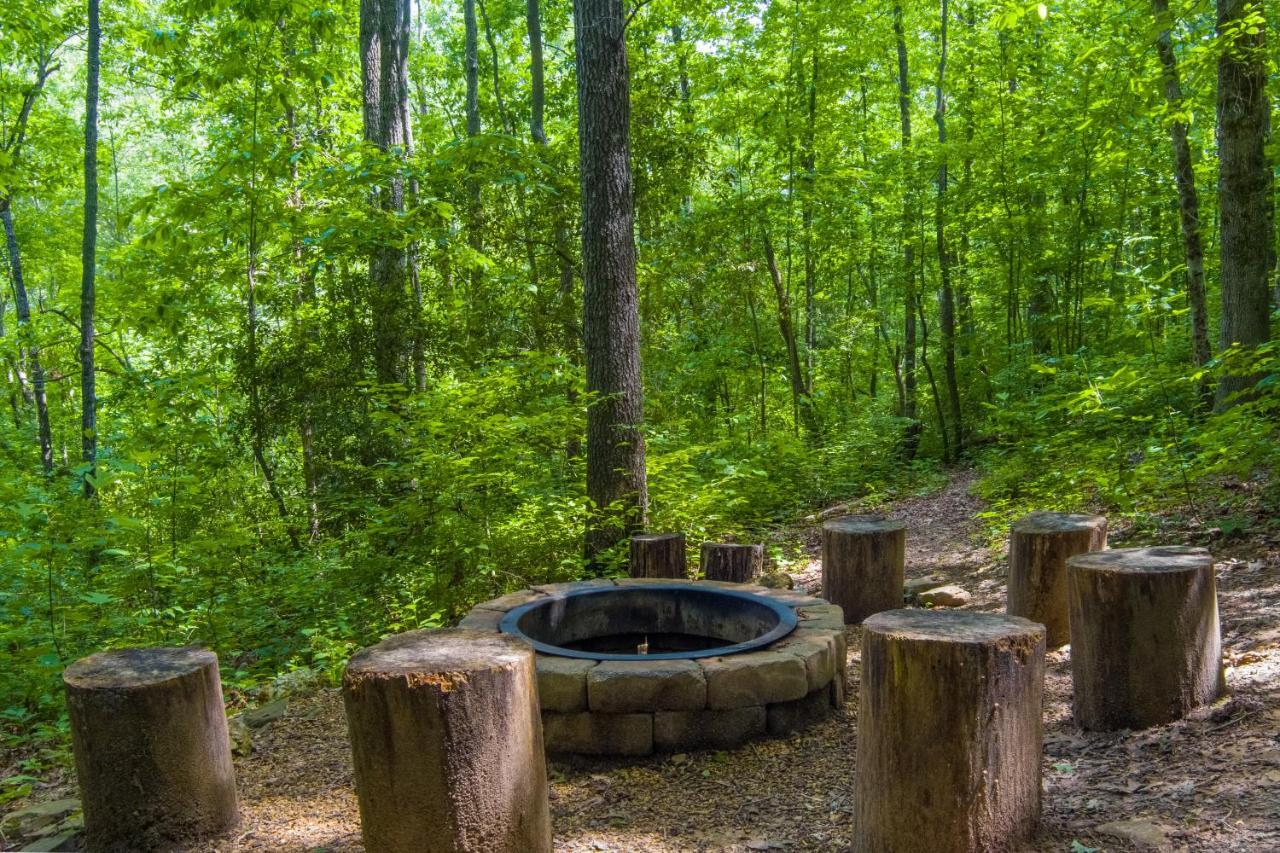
(1209, 782)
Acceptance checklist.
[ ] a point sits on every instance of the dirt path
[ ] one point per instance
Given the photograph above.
(1211, 782)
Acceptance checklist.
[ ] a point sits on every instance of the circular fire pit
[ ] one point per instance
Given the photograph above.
(633, 666)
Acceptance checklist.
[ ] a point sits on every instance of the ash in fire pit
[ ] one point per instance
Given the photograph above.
(634, 666)
(655, 621)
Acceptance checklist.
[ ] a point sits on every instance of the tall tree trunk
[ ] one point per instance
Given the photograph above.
(946, 257)
(911, 440)
(23, 307)
(88, 262)
(1243, 180)
(616, 483)
(800, 397)
(537, 74)
(808, 162)
(1188, 198)
(384, 47)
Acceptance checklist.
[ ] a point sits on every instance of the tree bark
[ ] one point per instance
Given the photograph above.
(658, 555)
(1243, 184)
(616, 482)
(1145, 642)
(446, 742)
(1188, 197)
(1039, 547)
(152, 755)
(911, 440)
(384, 47)
(946, 257)
(22, 306)
(88, 263)
(949, 720)
(863, 565)
(731, 562)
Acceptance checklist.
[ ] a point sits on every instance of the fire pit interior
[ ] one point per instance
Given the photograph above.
(652, 622)
(635, 666)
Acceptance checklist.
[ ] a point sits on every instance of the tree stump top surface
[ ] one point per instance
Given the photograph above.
(1144, 561)
(440, 653)
(136, 667)
(656, 537)
(863, 524)
(1057, 522)
(951, 626)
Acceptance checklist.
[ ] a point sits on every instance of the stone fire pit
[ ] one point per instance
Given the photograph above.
(634, 666)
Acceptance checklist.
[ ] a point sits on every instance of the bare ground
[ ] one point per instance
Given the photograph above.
(1211, 782)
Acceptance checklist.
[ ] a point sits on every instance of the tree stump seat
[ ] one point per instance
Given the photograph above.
(153, 759)
(1145, 642)
(446, 742)
(1039, 546)
(863, 565)
(658, 555)
(949, 732)
(731, 562)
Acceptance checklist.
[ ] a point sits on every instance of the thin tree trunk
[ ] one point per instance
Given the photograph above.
(1188, 198)
(1243, 180)
(616, 482)
(808, 162)
(795, 371)
(911, 440)
(23, 308)
(946, 258)
(88, 263)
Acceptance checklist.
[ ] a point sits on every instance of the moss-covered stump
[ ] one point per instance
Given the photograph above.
(1145, 642)
(658, 555)
(152, 754)
(863, 565)
(446, 744)
(1039, 546)
(731, 562)
(949, 732)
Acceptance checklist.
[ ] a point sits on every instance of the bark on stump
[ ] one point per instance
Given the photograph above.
(736, 563)
(949, 732)
(862, 565)
(153, 759)
(1039, 546)
(1145, 641)
(446, 742)
(658, 555)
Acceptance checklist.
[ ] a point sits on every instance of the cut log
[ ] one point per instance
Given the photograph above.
(736, 563)
(1145, 641)
(949, 732)
(446, 742)
(863, 565)
(658, 555)
(1039, 547)
(153, 758)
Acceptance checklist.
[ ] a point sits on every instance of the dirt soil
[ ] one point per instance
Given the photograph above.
(1210, 782)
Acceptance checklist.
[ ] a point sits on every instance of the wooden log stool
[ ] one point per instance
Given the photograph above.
(153, 759)
(659, 555)
(1039, 546)
(863, 565)
(446, 741)
(949, 732)
(1145, 642)
(729, 562)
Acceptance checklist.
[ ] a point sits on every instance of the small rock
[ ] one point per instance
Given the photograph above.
(1144, 833)
(777, 580)
(912, 588)
(256, 718)
(943, 596)
(241, 736)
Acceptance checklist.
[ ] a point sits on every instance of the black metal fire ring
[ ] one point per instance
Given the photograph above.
(787, 622)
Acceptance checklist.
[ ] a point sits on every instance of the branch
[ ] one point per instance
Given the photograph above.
(640, 4)
(97, 339)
